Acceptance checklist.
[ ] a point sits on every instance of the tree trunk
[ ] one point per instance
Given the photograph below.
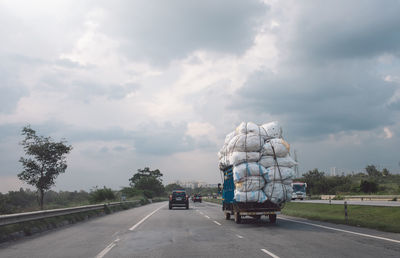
(41, 191)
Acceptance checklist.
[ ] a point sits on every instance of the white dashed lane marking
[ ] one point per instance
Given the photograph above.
(269, 253)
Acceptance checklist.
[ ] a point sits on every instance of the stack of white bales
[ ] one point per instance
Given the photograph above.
(262, 167)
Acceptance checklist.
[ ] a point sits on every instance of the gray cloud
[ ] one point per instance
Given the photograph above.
(317, 101)
(81, 89)
(11, 87)
(329, 78)
(164, 139)
(344, 29)
(160, 31)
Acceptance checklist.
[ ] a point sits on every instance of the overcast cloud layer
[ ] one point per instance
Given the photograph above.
(160, 83)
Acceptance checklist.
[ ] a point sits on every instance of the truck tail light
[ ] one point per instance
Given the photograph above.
(170, 197)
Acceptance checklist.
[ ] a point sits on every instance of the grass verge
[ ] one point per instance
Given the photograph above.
(375, 217)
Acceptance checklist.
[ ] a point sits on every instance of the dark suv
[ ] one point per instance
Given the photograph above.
(178, 198)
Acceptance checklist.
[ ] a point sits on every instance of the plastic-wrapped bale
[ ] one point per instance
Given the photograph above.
(251, 183)
(277, 192)
(253, 196)
(223, 158)
(251, 128)
(282, 174)
(247, 169)
(268, 161)
(280, 147)
(246, 143)
(236, 158)
(272, 130)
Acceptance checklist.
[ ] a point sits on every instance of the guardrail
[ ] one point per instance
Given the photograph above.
(35, 215)
(363, 197)
(372, 197)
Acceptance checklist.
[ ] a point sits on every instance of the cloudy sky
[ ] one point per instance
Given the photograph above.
(152, 83)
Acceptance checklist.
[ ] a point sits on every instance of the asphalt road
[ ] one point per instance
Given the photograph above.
(155, 231)
(368, 203)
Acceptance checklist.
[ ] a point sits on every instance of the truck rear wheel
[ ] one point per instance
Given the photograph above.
(272, 218)
(227, 216)
(238, 219)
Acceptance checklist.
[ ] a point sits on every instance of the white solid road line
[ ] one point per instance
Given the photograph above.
(216, 222)
(107, 249)
(342, 230)
(269, 253)
(140, 222)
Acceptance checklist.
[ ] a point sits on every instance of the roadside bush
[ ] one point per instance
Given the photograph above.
(338, 197)
(99, 195)
(368, 186)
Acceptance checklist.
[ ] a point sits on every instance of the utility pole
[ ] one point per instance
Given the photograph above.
(296, 167)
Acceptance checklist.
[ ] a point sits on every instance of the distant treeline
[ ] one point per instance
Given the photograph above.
(373, 181)
(26, 200)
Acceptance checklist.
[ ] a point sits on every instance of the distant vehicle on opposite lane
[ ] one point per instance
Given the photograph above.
(178, 198)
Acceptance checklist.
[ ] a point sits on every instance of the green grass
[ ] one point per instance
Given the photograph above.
(375, 217)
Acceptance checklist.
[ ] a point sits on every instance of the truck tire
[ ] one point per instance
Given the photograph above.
(272, 218)
(227, 216)
(238, 219)
(170, 207)
(187, 206)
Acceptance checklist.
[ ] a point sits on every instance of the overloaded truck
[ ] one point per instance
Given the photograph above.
(257, 171)
(239, 209)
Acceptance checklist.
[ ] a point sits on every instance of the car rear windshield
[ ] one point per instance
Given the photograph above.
(179, 194)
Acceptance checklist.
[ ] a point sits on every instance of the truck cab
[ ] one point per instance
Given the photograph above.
(299, 190)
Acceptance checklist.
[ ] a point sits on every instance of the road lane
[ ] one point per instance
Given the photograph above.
(183, 233)
(84, 239)
(201, 231)
(291, 239)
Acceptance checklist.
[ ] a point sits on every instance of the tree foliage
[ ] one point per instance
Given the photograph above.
(102, 194)
(372, 171)
(47, 159)
(26, 200)
(170, 187)
(368, 186)
(385, 172)
(318, 183)
(148, 181)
